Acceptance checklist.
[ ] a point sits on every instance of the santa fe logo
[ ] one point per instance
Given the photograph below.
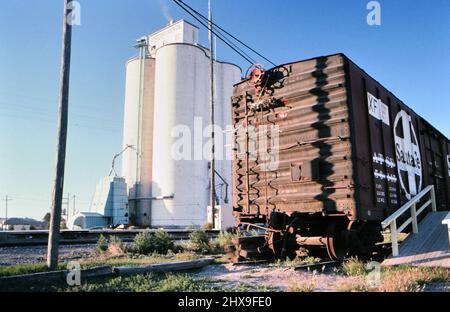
(407, 150)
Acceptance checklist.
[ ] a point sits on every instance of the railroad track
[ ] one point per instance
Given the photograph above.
(40, 238)
(253, 250)
(379, 253)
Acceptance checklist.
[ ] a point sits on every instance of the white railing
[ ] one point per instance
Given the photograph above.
(409, 206)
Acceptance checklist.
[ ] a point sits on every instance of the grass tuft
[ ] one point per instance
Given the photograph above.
(412, 279)
(353, 287)
(148, 243)
(354, 267)
(199, 240)
(26, 268)
(146, 283)
(304, 286)
(102, 244)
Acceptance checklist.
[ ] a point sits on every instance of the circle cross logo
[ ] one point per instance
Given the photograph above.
(409, 164)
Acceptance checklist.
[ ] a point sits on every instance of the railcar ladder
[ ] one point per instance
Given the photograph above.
(410, 206)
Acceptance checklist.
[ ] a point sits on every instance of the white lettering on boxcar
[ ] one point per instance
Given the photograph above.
(409, 165)
(380, 159)
(378, 109)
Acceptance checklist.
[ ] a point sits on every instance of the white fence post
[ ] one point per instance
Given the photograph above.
(415, 227)
(394, 239)
(433, 199)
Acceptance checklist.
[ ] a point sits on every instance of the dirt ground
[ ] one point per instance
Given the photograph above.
(273, 278)
(262, 277)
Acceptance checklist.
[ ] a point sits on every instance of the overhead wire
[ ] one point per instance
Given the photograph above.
(21, 111)
(233, 46)
(228, 33)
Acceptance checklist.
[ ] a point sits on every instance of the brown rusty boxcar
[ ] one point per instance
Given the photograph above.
(324, 153)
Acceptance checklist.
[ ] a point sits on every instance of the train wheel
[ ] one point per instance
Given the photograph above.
(336, 242)
(282, 245)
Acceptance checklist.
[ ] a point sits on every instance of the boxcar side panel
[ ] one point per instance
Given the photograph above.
(397, 152)
(447, 159)
(314, 167)
(346, 144)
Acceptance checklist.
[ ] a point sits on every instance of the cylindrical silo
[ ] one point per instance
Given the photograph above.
(181, 99)
(226, 75)
(138, 133)
(180, 95)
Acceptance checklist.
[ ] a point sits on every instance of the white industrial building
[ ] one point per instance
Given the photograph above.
(167, 87)
(87, 221)
(111, 200)
(109, 206)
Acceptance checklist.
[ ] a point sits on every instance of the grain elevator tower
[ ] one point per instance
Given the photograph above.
(167, 98)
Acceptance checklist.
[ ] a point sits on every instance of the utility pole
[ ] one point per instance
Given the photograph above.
(7, 199)
(73, 205)
(68, 206)
(63, 107)
(212, 199)
(65, 205)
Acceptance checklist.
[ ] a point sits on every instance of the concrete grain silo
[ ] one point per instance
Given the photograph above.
(173, 96)
(137, 134)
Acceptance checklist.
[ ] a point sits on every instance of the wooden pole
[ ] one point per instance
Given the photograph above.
(63, 106)
(73, 208)
(5, 224)
(6, 210)
(212, 199)
(67, 206)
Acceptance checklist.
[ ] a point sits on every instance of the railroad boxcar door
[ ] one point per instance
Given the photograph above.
(436, 167)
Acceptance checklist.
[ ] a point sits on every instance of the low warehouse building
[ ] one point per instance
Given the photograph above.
(87, 220)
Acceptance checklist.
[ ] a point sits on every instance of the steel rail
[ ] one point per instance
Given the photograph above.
(40, 238)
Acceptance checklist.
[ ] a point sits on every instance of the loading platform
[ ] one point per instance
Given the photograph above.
(430, 246)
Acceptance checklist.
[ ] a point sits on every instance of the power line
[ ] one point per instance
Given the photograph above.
(19, 107)
(48, 121)
(74, 103)
(228, 42)
(228, 33)
(224, 40)
(42, 200)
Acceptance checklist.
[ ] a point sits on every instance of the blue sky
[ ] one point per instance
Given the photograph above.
(409, 54)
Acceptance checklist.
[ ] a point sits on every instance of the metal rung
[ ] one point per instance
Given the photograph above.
(424, 206)
(404, 225)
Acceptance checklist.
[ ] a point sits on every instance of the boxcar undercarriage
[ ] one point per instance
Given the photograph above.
(335, 236)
